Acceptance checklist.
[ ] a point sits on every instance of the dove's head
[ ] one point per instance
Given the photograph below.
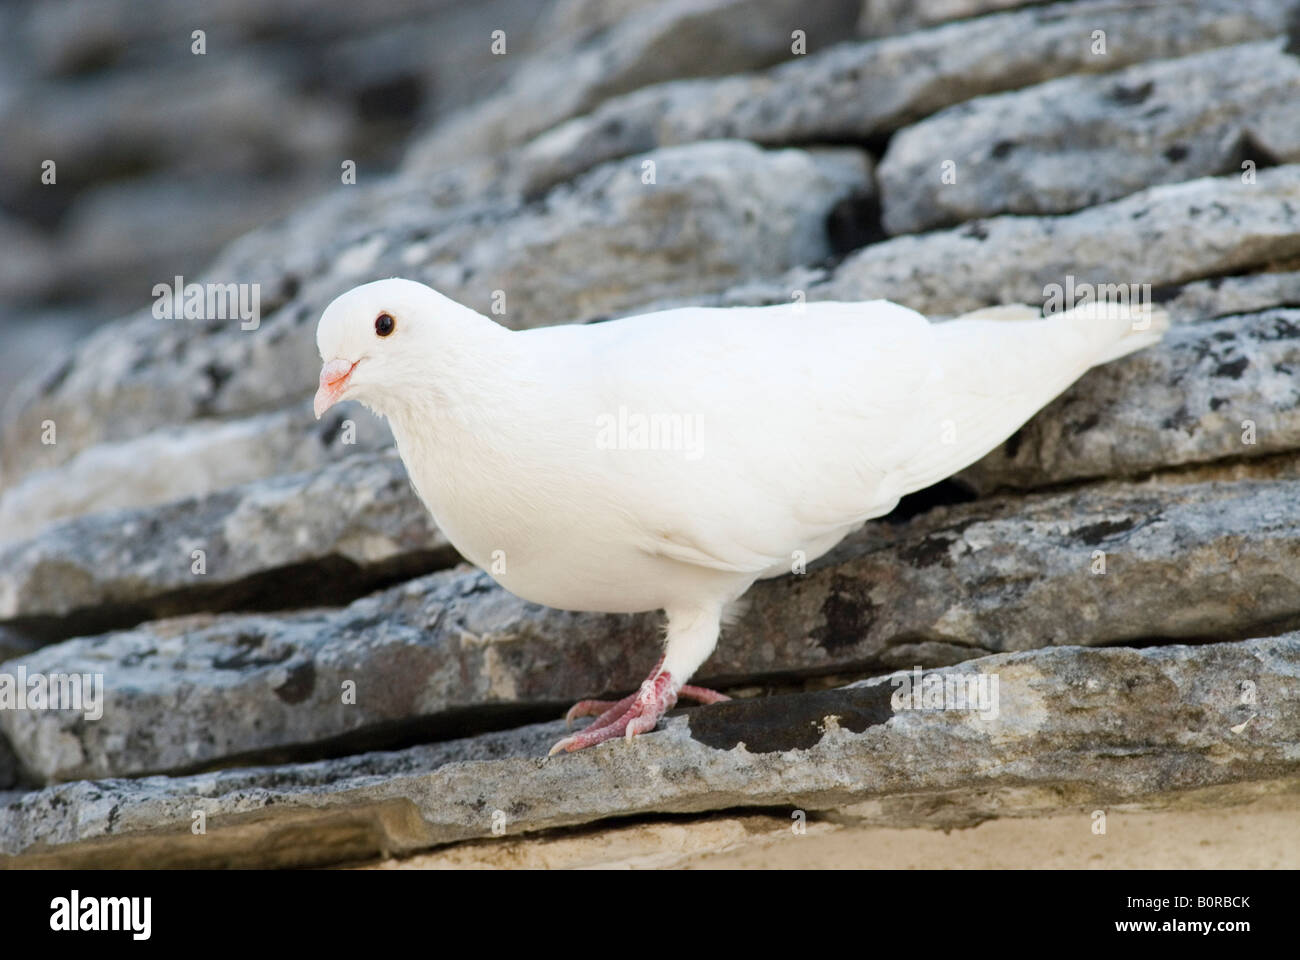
(386, 342)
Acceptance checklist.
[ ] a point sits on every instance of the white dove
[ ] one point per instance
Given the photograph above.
(669, 460)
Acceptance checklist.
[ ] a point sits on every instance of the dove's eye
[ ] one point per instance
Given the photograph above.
(385, 324)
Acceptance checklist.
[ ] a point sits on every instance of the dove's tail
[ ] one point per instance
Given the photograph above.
(1114, 329)
(1001, 365)
(1146, 325)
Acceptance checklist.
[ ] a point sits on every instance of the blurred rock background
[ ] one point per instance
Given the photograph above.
(164, 156)
(798, 150)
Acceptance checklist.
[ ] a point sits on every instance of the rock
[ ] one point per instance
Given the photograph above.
(1216, 390)
(192, 460)
(290, 541)
(610, 242)
(216, 108)
(1164, 236)
(578, 21)
(670, 40)
(1224, 296)
(330, 687)
(122, 238)
(1072, 727)
(881, 17)
(28, 270)
(14, 645)
(31, 337)
(137, 123)
(452, 651)
(8, 766)
(1078, 141)
(853, 92)
(604, 243)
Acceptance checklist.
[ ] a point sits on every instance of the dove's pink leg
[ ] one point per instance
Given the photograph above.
(633, 714)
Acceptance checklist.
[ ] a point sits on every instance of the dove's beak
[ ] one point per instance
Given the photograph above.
(333, 381)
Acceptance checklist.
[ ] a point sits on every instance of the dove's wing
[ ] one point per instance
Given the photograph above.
(797, 423)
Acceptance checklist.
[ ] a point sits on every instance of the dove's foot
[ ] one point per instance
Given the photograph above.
(633, 714)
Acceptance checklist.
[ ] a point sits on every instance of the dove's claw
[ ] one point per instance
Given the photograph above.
(655, 698)
(701, 694)
(635, 714)
(604, 710)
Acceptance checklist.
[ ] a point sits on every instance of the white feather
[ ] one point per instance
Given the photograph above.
(796, 424)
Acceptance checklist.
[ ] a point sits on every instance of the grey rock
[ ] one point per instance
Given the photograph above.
(1073, 727)
(1224, 296)
(670, 40)
(1217, 390)
(1078, 141)
(852, 92)
(215, 117)
(120, 239)
(880, 17)
(8, 766)
(578, 21)
(31, 336)
(1167, 235)
(1106, 564)
(190, 460)
(610, 242)
(14, 644)
(718, 213)
(63, 39)
(290, 541)
(209, 98)
(28, 268)
(137, 124)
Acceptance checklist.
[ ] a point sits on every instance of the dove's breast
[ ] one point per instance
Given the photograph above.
(536, 516)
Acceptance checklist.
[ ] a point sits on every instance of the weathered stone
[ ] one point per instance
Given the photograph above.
(1071, 726)
(290, 541)
(124, 237)
(1164, 236)
(304, 641)
(14, 644)
(1078, 141)
(1107, 564)
(606, 242)
(190, 460)
(674, 39)
(1225, 296)
(852, 92)
(28, 268)
(1217, 390)
(881, 17)
(8, 766)
(143, 131)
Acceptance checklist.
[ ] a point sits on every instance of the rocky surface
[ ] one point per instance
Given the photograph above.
(1213, 391)
(189, 460)
(1116, 563)
(604, 243)
(895, 16)
(1082, 140)
(295, 540)
(333, 686)
(1164, 236)
(136, 121)
(1089, 726)
(652, 42)
(857, 91)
